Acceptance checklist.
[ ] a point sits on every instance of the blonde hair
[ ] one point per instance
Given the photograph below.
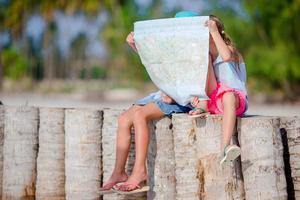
(225, 37)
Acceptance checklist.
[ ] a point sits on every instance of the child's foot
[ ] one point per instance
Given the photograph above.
(231, 152)
(112, 181)
(134, 184)
(199, 108)
(197, 111)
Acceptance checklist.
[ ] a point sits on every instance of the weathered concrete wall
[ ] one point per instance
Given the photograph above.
(216, 182)
(291, 127)
(51, 155)
(185, 149)
(72, 151)
(109, 135)
(1, 145)
(161, 161)
(83, 153)
(262, 158)
(20, 152)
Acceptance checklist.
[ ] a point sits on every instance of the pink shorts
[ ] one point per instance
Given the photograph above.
(215, 105)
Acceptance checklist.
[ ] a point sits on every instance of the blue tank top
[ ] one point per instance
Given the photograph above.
(231, 73)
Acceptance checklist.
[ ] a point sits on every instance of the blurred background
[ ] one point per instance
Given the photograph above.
(73, 52)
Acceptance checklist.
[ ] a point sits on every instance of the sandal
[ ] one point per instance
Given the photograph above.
(199, 112)
(231, 152)
(131, 188)
(107, 188)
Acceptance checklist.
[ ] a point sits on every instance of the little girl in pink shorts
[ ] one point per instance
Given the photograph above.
(226, 86)
(230, 77)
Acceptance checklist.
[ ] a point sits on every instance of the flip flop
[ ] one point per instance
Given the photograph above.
(231, 152)
(202, 112)
(107, 191)
(135, 188)
(110, 189)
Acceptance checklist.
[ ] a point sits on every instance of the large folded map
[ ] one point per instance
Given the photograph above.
(174, 52)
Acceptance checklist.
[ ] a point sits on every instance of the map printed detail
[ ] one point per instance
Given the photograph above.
(174, 52)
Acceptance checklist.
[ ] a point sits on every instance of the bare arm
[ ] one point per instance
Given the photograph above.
(224, 50)
(130, 41)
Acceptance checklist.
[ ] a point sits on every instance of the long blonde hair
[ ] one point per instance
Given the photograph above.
(225, 37)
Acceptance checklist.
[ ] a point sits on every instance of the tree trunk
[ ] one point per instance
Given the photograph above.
(82, 153)
(161, 161)
(187, 182)
(291, 126)
(262, 158)
(20, 152)
(1, 145)
(51, 155)
(48, 57)
(216, 182)
(1, 70)
(109, 136)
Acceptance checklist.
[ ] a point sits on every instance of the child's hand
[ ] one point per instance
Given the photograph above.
(130, 38)
(195, 102)
(130, 41)
(166, 99)
(212, 26)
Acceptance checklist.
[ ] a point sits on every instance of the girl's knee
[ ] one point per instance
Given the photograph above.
(124, 120)
(229, 98)
(139, 115)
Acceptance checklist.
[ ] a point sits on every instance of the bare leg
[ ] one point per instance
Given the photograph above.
(125, 122)
(211, 85)
(230, 103)
(211, 82)
(140, 121)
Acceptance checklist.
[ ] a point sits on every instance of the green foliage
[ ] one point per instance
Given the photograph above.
(124, 61)
(98, 72)
(18, 10)
(274, 55)
(83, 73)
(268, 38)
(267, 35)
(94, 72)
(15, 64)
